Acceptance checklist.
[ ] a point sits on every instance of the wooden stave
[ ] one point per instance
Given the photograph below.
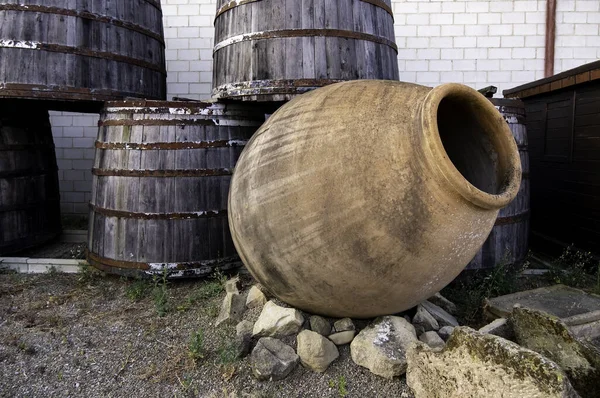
(108, 60)
(283, 84)
(29, 191)
(507, 243)
(183, 217)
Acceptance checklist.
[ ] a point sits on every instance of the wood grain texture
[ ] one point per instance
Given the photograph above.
(160, 184)
(88, 50)
(272, 50)
(29, 198)
(508, 242)
(564, 130)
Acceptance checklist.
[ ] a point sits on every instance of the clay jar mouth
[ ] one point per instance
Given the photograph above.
(471, 145)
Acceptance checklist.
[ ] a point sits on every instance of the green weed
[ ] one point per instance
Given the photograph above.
(160, 293)
(137, 290)
(576, 268)
(196, 346)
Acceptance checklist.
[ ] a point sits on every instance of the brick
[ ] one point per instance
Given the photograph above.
(488, 65)
(453, 53)
(406, 30)
(430, 7)
(417, 66)
(464, 65)
(441, 42)
(417, 19)
(476, 30)
(453, 6)
(73, 132)
(449, 77)
(513, 17)
(453, 30)
(407, 53)
(465, 42)
(528, 5)
(440, 66)
(478, 6)
(429, 53)
(489, 18)
(417, 42)
(512, 41)
(442, 19)
(586, 30)
(428, 77)
(476, 53)
(501, 30)
(465, 19)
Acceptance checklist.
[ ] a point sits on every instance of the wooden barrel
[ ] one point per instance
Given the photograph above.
(91, 50)
(271, 50)
(29, 196)
(508, 241)
(160, 185)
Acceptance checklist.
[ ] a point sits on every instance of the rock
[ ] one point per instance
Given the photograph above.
(272, 360)
(432, 339)
(548, 335)
(233, 285)
(256, 298)
(443, 303)
(407, 318)
(423, 321)
(244, 328)
(342, 338)
(316, 352)
(242, 345)
(320, 325)
(343, 325)
(445, 332)
(441, 316)
(277, 321)
(474, 364)
(381, 346)
(232, 309)
(499, 327)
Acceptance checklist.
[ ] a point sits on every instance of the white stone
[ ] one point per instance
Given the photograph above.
(316, 352)
(277, 321)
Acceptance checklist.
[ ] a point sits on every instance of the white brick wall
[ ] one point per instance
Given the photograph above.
(475, 42)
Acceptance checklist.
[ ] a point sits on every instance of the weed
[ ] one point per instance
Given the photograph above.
(87, 274)
(228, 352)
(160, 293)
(52, 270)
(469, 293)
(342, 386)
(196, 346)
(137, 289)
(575, 268)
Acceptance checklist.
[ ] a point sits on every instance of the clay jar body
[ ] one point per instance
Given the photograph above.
(366, 197)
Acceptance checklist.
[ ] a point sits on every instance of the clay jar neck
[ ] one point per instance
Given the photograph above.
(469, 147)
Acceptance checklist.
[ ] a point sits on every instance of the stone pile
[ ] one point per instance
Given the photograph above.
(530, 353)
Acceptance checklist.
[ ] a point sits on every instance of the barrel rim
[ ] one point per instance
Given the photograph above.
(234, 4)
(508, 102)
(301, 33)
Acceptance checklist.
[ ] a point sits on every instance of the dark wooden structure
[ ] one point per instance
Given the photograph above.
(563, 123)
(29, 196)
(271, 50)
(508, 242)
(94, 50)
(160, 186)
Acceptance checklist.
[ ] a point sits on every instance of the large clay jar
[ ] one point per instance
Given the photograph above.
(364, 198)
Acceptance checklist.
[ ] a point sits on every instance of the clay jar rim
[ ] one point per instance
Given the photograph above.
(500, 135)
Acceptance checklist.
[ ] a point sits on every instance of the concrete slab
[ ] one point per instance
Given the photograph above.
(579, 310)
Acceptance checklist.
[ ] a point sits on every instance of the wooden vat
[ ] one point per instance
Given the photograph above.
(271, 50)
(89, 50)
(160, 184)
(508, 242)
(29, 196)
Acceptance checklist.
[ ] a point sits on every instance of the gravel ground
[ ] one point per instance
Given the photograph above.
(56, 249)
(102, 336)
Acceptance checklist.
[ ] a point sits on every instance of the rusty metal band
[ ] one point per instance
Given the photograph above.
(161, 173)
(26, 206)
(95, 258)
(18, 90)
(83, 15)
(169, 145)
(158, 216)
(90, 53)
(512, 219)
(298, 33)
(233, 4)
(267, 87)
(28, 173)
(27, 147)
(157, 122)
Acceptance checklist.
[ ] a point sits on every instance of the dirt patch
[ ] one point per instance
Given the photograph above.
(102, 336)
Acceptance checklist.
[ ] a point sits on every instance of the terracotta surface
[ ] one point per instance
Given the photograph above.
(346, 201)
